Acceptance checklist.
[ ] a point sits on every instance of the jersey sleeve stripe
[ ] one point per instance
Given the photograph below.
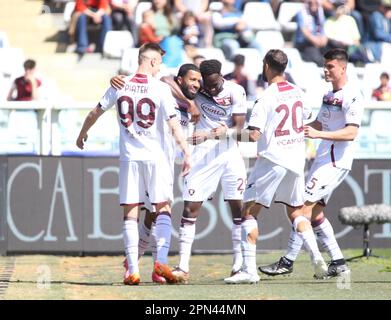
(352, 124)
(253, 128)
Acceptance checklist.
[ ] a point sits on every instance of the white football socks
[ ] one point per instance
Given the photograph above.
(163, 236)
(143, 242)
(294, 245)
(131, 239)
(326, 236)
(236, 234)
(186, 238)
(249, 249)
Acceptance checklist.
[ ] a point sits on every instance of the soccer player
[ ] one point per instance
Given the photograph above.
(184, 88)
(337, 124)
(144, 106)
(276, 123)
(221, 103)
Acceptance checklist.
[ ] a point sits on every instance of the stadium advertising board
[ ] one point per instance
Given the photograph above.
(70, 204)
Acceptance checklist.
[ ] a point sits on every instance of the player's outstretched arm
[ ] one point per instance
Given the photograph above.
(177, 132)
(91, 118)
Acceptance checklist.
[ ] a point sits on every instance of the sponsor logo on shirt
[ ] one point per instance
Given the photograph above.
(212, 110)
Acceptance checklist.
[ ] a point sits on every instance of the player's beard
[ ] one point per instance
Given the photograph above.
(189, 95)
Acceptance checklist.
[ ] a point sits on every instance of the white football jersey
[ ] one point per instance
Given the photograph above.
(339, 109)
(219, 109)
(278, 114)
(144, 104)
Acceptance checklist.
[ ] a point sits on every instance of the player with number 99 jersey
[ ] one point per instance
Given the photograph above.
(144, 104)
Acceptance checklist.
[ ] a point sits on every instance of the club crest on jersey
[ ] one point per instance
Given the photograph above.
(213, 110)
(191, 191)
(226, 101)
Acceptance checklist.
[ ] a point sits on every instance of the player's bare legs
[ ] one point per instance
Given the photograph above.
(131, 237)
(236, 233)
(249, 234)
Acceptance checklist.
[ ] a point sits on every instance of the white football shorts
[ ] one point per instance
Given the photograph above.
(270, 182)
(209, 166)
(143, 182)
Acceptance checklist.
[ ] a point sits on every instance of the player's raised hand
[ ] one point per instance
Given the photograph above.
(117, 82)
(80, 141)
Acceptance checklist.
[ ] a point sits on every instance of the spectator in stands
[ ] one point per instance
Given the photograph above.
(379, 29)
(238, 76)
(190, 31)
(25, 88)
(330, 7)
(231, 31)
(167, 27)
(87, 12)
(122, 15)
(366, 7)
(383, 92)
(349, 39)
(200, 8)
(147, 31)
(197, 59)
(310, 38)
(166, 23)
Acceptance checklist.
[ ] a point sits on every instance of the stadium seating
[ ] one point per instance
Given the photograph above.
(11, 61)
(286, 14)
(4, 43)
(23, 133)
(260, 16)
(68, 10)
(141, 7)
(270, 39)
(116, 42)
(216, 53)
(129, 60)
(371, 78)
(215, 6)
(253, 61)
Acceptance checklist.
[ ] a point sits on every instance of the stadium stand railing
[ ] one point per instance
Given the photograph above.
(44, 128)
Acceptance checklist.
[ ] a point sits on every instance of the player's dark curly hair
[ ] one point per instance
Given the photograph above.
(277, 60)
(338, 54)
(185, 68)
(208, 67)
